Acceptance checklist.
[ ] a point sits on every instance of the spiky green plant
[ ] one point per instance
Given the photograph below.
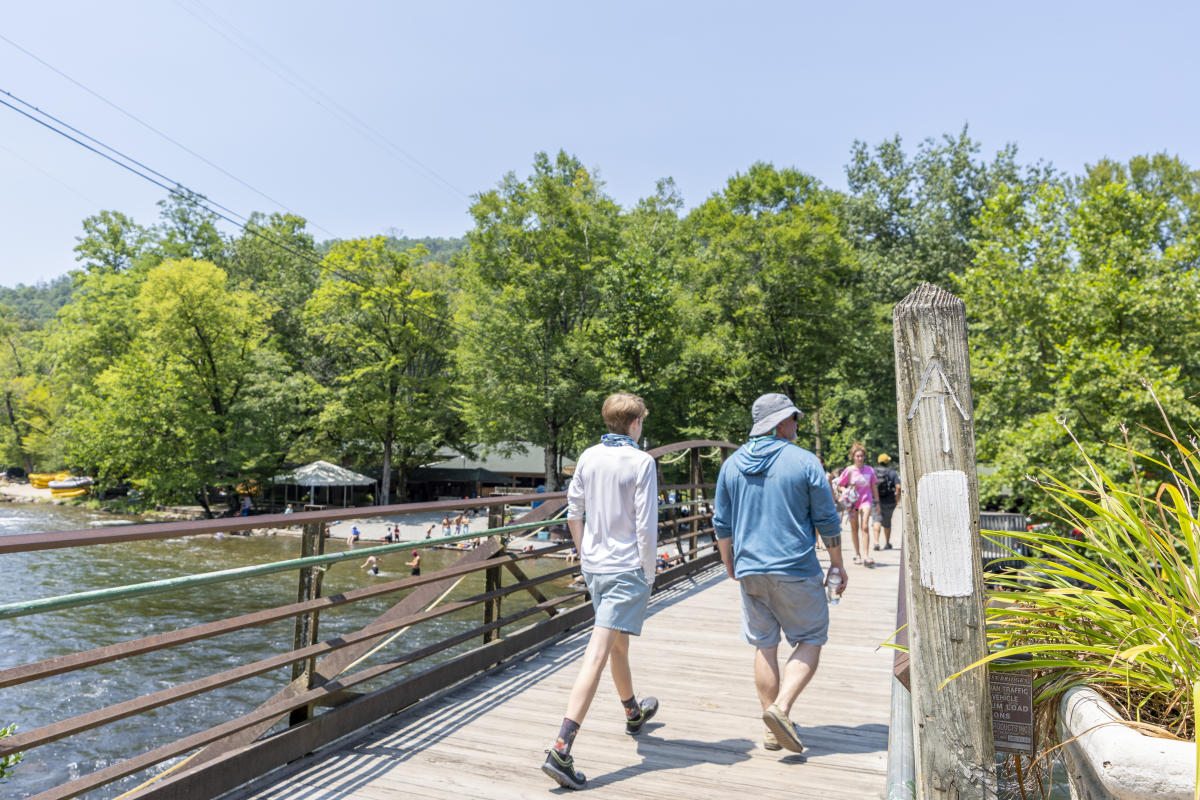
(9, 761)
(1117, 609)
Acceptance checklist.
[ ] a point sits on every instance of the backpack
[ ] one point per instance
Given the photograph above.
(887, 486)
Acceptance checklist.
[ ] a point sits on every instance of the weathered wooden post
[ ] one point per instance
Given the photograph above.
(312, 543)
(952, 728)
(491, 608)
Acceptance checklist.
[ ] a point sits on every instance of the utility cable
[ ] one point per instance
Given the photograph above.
(60, 182)
(157, 132)
(320, 98)
(176, 190)
(134, 161)
(179, 190)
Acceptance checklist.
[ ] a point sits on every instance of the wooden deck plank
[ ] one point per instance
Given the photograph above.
(486, 739)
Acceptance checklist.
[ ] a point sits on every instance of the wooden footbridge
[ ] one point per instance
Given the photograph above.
(485, 739)
(470, 715)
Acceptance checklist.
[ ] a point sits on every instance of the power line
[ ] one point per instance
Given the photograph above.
(320, 98)
(99, 143)
(196, 199)
(57, 180)
(156, 131)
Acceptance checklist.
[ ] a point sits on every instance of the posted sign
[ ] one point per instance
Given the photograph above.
(1012, 709)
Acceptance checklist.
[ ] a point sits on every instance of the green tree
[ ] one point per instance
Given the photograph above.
(172, 412)
(638, 335)
(1076, 300)
(913, 219)
(384, 322)
(275, 257)
(26, 402)
(111, 242)
(776, 293)
(94, 329)
(188, 229)
(531, 281)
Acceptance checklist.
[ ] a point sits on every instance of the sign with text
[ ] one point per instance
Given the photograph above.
(1012, 708)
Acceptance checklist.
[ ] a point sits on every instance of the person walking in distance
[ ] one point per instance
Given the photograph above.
(772, 500)
(859, 482)
(612, 513)
(888, 484)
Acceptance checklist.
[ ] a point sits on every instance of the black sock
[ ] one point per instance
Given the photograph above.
(632, 707)
(566, 736)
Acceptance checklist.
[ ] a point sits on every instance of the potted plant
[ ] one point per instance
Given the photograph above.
(1110, 616)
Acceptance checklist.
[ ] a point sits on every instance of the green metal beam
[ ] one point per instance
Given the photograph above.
(23, 608)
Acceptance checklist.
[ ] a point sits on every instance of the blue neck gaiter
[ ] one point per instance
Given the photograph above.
(617, 440)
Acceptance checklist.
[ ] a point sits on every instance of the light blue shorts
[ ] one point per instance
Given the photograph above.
(620, 599)
(797, 606)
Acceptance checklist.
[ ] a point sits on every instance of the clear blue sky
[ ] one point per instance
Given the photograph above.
(455, 95)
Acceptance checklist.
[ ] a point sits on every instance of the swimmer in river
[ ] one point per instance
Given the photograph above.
(371, 565)
(415, 563)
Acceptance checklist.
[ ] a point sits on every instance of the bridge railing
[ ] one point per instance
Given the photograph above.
(346, 681)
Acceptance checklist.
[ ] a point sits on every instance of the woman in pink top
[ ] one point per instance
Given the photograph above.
(861, 478)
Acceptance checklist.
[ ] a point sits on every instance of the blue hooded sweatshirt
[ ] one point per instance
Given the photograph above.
(772, 498)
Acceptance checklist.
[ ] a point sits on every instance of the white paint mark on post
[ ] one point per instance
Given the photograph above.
(944, 527)
(924, 391)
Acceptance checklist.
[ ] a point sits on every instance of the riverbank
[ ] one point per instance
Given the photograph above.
(411, 527)
(13, 492)
(25, 493)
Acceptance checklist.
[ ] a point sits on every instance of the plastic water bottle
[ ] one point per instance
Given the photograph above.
(832, 585)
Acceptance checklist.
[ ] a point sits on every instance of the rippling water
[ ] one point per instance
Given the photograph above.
(55, 572)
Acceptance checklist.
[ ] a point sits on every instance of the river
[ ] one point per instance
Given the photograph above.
(56, 572)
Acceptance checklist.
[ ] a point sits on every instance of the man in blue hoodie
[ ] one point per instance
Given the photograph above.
(772, 499)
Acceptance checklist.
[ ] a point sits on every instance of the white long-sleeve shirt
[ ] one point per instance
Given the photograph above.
(615, 492)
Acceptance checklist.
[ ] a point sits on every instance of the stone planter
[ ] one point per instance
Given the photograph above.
(1111, 761)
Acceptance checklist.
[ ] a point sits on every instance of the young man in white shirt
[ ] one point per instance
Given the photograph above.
(612, 511)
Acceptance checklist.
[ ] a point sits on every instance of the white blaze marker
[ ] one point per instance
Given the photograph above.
(925, 391)
(944, 528)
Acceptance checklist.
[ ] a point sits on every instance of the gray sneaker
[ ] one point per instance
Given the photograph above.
(646, 711)
(562, 769)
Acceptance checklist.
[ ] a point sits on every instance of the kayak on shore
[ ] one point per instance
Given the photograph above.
(41, 480)
(71, 486)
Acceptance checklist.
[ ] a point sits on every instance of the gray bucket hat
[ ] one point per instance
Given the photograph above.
(769, 410)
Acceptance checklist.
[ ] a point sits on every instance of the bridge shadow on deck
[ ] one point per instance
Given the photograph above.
(484, 738)
(664, 754)
(368, 756)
